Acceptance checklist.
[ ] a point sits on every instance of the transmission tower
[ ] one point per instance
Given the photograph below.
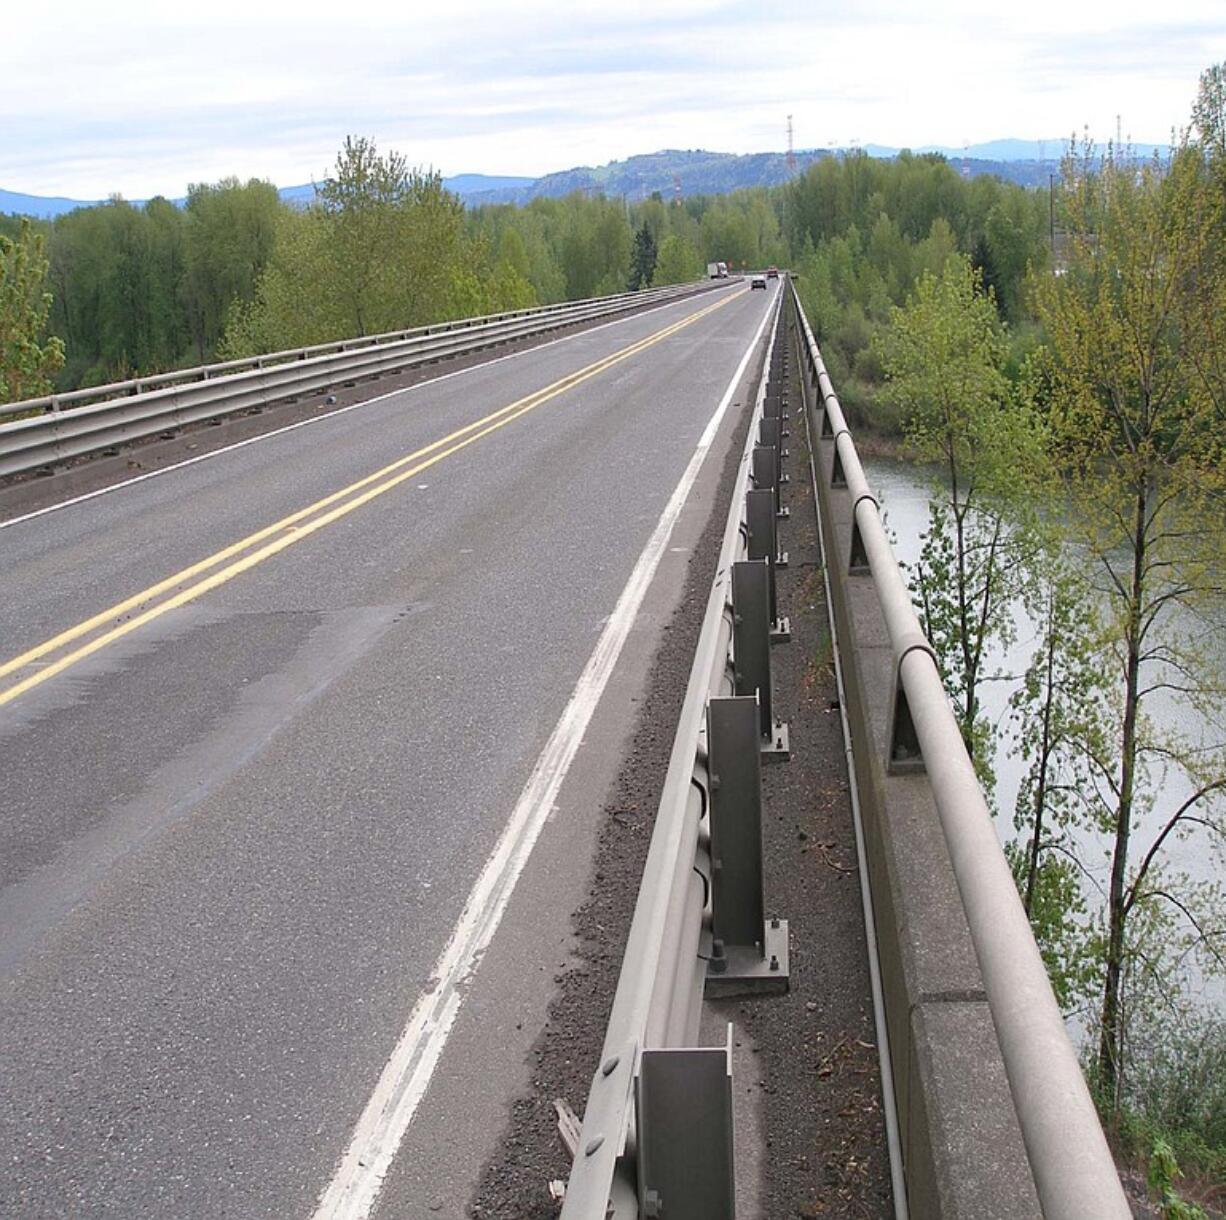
(791, 149)
(676, 190)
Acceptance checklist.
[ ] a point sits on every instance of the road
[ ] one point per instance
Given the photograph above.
(265, 720)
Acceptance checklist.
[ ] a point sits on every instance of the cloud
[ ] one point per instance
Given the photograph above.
(139, 97)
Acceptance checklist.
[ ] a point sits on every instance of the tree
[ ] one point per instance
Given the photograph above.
(642, 260)
(229, 232)
(1062, 712)
(1138, 445)
(382, 248)
(678, 262)
(1209, 113)
(362, 199)
(943, 356)
(28, 359)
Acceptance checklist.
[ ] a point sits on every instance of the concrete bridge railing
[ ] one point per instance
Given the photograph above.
(994, 1116)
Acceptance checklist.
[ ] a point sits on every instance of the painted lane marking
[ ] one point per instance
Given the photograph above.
(296, 527)
(353, 1190)
(321, 419)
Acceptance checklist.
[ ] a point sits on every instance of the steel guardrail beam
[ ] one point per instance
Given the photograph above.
(59, 435)
(203, 372)
(1074, 1173)
(658, 1001)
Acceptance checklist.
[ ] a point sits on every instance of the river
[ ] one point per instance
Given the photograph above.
(904, 490)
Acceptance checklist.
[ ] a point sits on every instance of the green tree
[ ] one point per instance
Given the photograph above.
(943, 355)
(1138, 444)
(229, 232)
(382, 248)
(678, 262)
(362, 200)
(1061, 711)
(28, 358)
(642, 260)
(1209, 114)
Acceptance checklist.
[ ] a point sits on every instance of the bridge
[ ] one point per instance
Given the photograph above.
(333, 684)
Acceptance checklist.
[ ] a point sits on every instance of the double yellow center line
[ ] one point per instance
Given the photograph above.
(55, 655)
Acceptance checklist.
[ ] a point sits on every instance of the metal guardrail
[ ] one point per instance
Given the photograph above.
(72, 425)
(1073, 1170)
(656, 1136)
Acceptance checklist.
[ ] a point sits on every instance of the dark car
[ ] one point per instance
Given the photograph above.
(758, 281)
(772, 273)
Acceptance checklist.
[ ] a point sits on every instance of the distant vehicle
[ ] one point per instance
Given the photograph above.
(723, 271)
(758, 281)
(772, 273)
(713, 271)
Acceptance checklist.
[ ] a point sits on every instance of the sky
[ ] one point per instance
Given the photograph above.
(139, 98)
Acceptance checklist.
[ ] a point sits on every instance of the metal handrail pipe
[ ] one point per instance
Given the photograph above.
(1074, 1173)
(202, 372)
(1073, 1169)
(659, 991)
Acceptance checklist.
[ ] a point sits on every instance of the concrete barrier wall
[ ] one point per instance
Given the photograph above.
(962, 1147)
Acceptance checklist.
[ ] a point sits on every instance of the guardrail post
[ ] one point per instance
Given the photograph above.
(751, 651)
(770, 401)
(683, 1112)
(905, 755)
(765, 473)
(763, 543)
(749, 953)
(771, 433)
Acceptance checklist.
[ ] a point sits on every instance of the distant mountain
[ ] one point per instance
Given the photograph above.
(43, 207)
(1027, 162)
(699, 173)
(467, 186)
(1005, 150)
(40, 206)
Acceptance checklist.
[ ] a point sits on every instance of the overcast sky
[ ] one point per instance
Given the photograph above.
(143, 96)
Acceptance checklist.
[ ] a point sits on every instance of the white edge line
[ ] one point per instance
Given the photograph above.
(352, 1192)
(319, 419)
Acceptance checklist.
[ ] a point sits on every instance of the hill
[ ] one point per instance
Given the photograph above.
(45, 207)
(1027, 162)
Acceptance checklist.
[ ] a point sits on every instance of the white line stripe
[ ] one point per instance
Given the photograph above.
(319, 419)
(353, 1190)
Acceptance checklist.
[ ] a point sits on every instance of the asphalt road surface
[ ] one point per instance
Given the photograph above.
(265, 720)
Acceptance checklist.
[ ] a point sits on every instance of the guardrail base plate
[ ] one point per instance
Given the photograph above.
(781, 631)
(776, 747)
(746, 972)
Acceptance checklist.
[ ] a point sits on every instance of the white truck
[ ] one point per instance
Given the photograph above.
(717, 271)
